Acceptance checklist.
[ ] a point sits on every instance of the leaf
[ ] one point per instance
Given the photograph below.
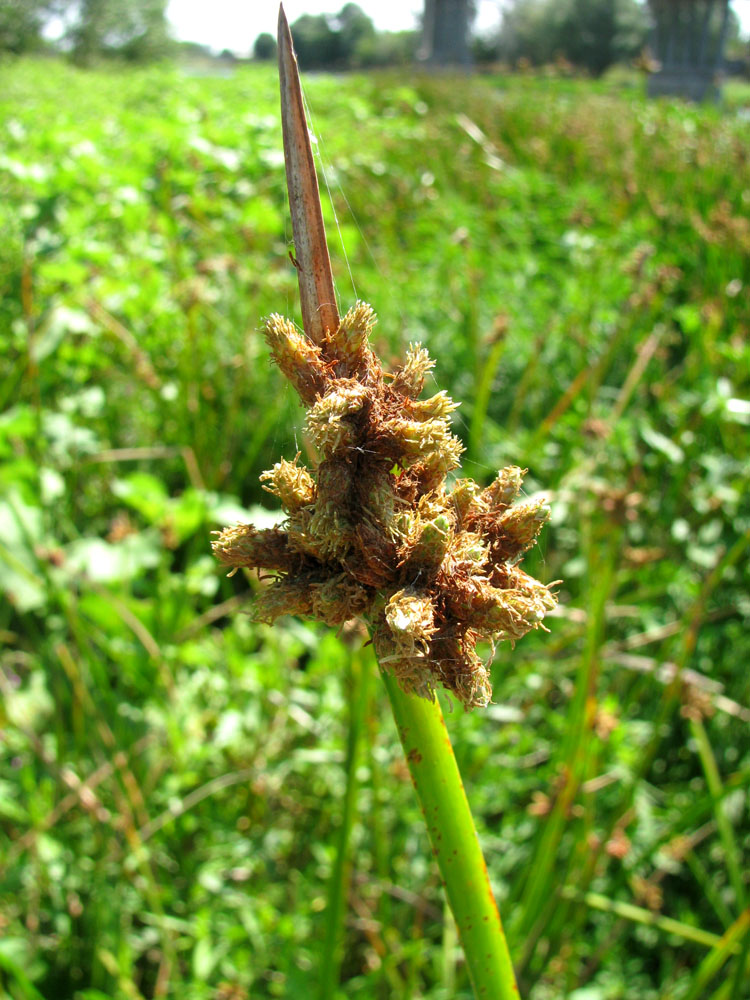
(104, 562)
(659, 442)
(187, 513)
(689, 318)
(228, 510)
(205, 958)
(14, 956)
(21, 530)
(144, 493)
(9, 807)
(60, 322)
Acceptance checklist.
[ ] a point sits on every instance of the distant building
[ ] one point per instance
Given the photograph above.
(688, 39)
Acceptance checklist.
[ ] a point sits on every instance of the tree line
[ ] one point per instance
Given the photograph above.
(87, 30)
(591, 35)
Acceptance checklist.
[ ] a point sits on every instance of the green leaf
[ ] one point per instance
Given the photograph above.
(104, 562)
(144, 493)
(659, 442)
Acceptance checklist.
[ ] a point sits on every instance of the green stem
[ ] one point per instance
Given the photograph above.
(330, 966)
(441, 794)
(715, 788)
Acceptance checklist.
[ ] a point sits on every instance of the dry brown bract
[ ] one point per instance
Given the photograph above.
(374, 532)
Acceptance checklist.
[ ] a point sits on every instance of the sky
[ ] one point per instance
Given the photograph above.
(235, 24)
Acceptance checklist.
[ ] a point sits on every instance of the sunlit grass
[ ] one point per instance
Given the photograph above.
(173, 779)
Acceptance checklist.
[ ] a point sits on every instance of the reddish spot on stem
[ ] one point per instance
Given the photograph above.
(414, 756)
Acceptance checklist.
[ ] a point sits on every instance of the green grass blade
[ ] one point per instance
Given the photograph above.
(455, 845)
(713, 962)
(483, 393)
(17, 975)
(330, 967)
(740, 970)
(713, 780)
(639, 915)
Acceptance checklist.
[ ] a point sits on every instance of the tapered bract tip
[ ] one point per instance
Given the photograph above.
(317, 297)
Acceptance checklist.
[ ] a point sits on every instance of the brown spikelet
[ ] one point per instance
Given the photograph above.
(373, 531)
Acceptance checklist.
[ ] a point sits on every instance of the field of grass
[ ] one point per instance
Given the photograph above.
(172, 775)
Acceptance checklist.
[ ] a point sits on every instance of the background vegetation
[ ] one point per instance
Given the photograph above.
(172, 775)
(587, 36)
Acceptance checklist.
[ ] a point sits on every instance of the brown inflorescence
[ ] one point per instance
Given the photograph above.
(375, 532)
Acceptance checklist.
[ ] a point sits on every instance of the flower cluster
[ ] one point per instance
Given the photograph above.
(375, 532)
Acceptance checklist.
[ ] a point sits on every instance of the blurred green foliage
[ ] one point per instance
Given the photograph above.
(134, 31)
(590, 34)
(171, 775)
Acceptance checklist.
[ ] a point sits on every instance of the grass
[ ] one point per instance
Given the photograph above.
(173, 778)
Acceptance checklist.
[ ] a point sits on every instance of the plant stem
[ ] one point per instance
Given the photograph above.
(434, 772)
(330, 966)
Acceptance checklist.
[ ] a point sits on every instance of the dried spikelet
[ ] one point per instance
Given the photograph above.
(432, 504)
(413, 673)
(411, 618)
(468, 553)
(514, 578)
(507, 614)
(440, 405)
(332, 530)
(331, 524)
(349, 343)
(459, 668)
(428, 544)
(372, 530)
(329, 421)
(291, 483)
(376, 496)
(242, 545)
(519, 527)
(301, 537)
(374, 556)
(283, 597)
(506, 487)
(409, 380)
(463, 497)
(429, 442)
(339, 599)
(297, 357)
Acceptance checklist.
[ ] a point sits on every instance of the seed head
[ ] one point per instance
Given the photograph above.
(373, 532)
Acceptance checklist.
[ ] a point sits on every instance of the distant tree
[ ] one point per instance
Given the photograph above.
(445, 32)
(530, 30)
(354, 29)
(387, 48)
(135, 30)
(592, 34)
(315, 41)
(193, 50)
(264, 47)
(327, 41)
(598, 33)
(21, 23)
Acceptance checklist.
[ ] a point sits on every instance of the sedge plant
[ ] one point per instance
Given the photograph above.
(374, 531)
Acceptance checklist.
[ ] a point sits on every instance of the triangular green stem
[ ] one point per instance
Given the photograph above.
(437, 781)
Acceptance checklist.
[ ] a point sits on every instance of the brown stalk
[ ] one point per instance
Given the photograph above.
(317, 297)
